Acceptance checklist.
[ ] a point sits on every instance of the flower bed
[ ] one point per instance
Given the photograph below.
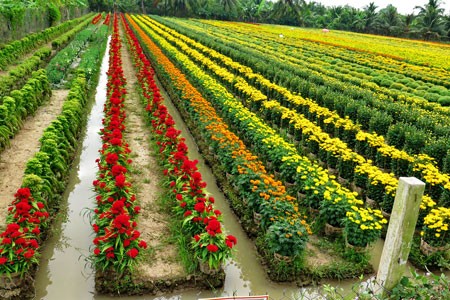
(193, 207)
(117, 242)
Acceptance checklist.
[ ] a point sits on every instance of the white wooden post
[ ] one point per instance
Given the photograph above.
(400, 232)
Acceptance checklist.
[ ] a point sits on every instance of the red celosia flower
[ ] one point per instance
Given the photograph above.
(126, 243)
(196, 237)
(179, 197)
(29, 254)
(187, 213)
(112, 158)
(96, 251)
(23, 193)
(3, 260)
(6, 241)
(120, 181)
(133, 252)
(212, 248)
(143, 244)
(200, 207)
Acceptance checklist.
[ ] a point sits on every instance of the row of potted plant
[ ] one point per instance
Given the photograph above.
(422, 165)
(62, 40)
(22, 103)
(18, 75)
(370, 92)
(199, 220)
(97, 18)
(15, 49)
(363, 54)
(366, 173)
(45, 178)
(117, 242)
(265, 139)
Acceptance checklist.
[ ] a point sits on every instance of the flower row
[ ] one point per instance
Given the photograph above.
(421, 163)
(266, 141)
(117, 243)
(97, 18)
(304, 74)
(365, 171)
(388, 155)
(199, 220)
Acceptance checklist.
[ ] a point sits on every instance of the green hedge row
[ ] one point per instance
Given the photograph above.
(16, 49)
(18, 75)
(21, 103)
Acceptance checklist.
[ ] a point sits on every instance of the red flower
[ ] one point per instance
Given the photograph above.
(133, 252)
(40, 205)
(126, 243)
(120, 181)
(112, 158)
(212, 248)
(3, 260)
(179, 197)
(187, 213)
(6, 241)
(196, 237)
(34, 244)
(23, 193)
(200, 207)
(230, 241)
(29, 254)
(137, 209)
(36, 230)
(96, 251)
(143, 244)
(183, 204)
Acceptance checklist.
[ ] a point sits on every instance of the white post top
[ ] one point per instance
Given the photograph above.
(412, 181)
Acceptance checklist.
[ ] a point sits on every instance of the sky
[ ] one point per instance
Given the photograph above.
(403, 6)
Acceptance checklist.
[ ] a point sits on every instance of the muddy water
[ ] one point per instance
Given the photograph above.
(64, 273)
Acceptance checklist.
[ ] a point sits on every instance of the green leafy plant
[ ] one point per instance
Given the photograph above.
(287, 236)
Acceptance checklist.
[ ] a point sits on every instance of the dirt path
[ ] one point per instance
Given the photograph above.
(24, 145)
(163, 263)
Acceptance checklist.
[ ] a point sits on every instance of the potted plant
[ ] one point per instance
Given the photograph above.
(362, 226)
(287, 237)
(435, 235)
(212, 247)
(333, 210)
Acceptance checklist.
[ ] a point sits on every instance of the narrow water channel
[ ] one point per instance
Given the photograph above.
(63, 272)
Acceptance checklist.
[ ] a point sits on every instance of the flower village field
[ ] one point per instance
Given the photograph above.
(305, 132)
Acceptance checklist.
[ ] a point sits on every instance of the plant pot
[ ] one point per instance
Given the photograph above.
(300, 196)
(386, 215)
(428, 250)
(332, 171)
(342, 181)
(10, 281)
(288, 184)
(282, 258)
(357, 249)
(313, 212)
(371, 203)
(206, 269)
(257, 217)
(356, 188)
(332, 230)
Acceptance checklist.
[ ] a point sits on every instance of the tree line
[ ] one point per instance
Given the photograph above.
(429, 22)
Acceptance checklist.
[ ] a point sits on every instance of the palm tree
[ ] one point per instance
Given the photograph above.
(430, 20)
(369, 16)
(286, 9)
(229, 5)
(388, 21)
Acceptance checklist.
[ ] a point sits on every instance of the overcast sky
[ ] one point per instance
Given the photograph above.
(403, 6)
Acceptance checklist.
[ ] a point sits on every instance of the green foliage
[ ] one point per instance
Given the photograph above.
(444, 100)
(54, 15)
(429, 286)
